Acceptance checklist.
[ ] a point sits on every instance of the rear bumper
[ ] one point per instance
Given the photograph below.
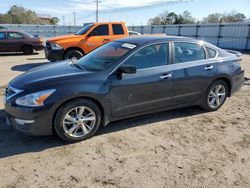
(238, 81)
(38, 47)
(54, 55)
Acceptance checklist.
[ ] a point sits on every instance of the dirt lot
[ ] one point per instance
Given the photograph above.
(179, 148)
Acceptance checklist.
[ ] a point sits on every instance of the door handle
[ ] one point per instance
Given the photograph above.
(166, 76)
(209, 67)
(106, 40)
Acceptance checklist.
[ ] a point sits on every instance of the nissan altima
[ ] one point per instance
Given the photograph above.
(122, 79)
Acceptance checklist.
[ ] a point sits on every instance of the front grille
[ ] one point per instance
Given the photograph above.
(48, 46)
(9, 92)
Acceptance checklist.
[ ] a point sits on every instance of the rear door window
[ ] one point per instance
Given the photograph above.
(101, 30)
(185, 52)
(117, 29)
(14, 35)
(2, 35)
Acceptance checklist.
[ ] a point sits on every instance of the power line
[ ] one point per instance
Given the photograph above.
(157, 4)
(127, 9)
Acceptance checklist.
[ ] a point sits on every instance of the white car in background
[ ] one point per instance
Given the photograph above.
(133, 33)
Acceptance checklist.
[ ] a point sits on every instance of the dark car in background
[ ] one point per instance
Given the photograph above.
(18, 41)
(122, 79)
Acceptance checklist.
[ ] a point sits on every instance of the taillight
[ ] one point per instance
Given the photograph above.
(41, 40)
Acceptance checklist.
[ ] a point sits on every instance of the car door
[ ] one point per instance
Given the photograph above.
(191, 72)
(15, 41)
(2, 42)
(149, 88)
(97, 37)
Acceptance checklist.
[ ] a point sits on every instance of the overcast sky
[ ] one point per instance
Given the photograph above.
(133, 12)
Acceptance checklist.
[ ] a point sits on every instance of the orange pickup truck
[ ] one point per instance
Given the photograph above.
(84, 41)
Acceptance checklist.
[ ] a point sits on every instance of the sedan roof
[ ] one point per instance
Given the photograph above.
(139, 40)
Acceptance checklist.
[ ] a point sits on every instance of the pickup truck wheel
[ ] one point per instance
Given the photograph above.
(73, 54)
(28, 50)
(77, 120)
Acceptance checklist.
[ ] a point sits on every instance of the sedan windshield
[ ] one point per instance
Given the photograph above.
(105, 56)
(84, 29)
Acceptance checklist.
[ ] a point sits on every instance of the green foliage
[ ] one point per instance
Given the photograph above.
(187, 18)
(232, 16)
(20, 15)
(172, 18)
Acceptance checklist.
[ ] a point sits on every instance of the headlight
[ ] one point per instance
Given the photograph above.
(55, 46)
(34, 99)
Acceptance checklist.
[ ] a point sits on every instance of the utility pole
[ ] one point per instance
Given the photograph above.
(63, 20)
(74, 18)
(97, 9)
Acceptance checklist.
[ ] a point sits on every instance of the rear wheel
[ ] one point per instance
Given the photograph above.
(215, 96)
(28, 50)
(77, 120)
(73, 54)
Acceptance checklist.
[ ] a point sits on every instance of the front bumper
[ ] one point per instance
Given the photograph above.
(54, 55)
(31, 121)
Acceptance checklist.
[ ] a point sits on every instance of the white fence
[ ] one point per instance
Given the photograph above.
(230, 35)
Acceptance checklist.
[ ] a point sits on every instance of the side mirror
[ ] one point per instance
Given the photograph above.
(127, 69)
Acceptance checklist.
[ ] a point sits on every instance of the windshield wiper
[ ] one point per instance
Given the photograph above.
(74, 63)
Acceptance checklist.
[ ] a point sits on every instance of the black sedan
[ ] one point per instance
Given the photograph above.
(122, 79)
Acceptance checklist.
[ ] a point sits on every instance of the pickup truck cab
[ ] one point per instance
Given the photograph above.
(84, 41)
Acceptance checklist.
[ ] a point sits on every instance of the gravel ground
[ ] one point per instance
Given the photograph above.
(178, 148)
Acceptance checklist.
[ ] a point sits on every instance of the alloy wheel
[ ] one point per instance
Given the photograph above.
(79, 121)
(216, 96)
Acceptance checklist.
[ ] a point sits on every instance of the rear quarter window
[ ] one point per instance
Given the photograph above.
(211, 52)
(117, 29)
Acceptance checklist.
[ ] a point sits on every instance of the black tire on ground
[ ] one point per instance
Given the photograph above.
(65, 109)
(73, 54)
(206, 105)
(28, 50)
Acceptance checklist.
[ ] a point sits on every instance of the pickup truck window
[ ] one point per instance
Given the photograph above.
(117, 29)
(101, 30)
(84, 30)
(103, 57)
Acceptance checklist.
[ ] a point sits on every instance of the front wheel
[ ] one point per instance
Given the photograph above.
(77, 120)
(215, 95)
(73, 54)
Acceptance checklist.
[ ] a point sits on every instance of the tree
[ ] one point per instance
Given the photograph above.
(232, 16)
(172, 18)
(20, 15)
(54, 21)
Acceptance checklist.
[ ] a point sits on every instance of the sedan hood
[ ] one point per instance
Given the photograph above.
(50, 71)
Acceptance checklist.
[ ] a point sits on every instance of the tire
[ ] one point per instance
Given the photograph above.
(80, 128)
(28, 50)
(73, 54)
(212, 100)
